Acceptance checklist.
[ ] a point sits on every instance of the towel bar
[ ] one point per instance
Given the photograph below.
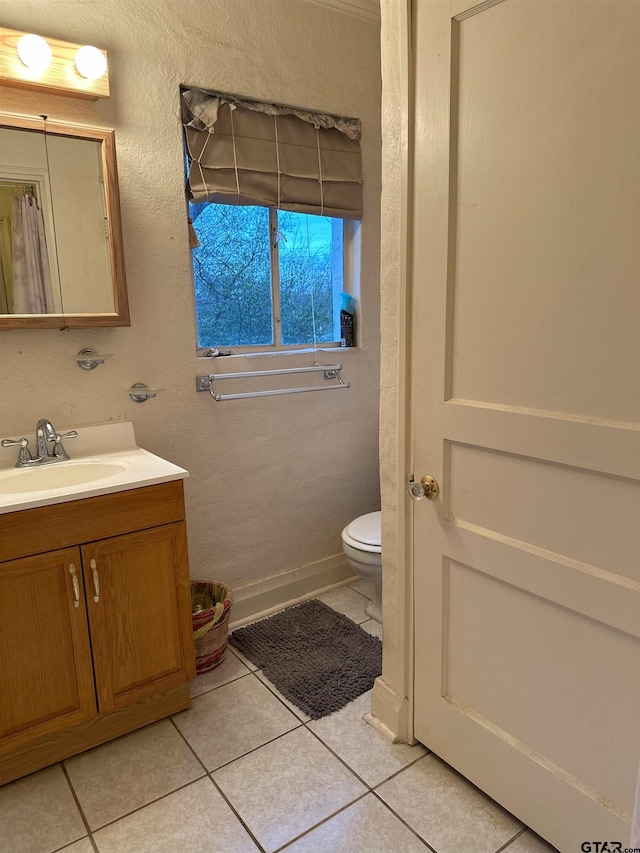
(331, 371)
(219, 397)
(335, 368)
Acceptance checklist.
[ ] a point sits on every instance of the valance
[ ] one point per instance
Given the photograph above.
(244, 152)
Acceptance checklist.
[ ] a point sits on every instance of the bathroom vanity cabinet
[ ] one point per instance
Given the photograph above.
(95, 622)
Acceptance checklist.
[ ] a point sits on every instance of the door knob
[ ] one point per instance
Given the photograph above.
(427, 488)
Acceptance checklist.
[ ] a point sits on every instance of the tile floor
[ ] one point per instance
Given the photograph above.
(244, 771)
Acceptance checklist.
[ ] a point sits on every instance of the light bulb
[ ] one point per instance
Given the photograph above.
(90, 62)
(34, 52)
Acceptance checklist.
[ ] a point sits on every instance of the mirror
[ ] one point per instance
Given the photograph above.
(61, 256)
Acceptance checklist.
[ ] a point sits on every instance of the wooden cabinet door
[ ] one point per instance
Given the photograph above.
(139, 605)
(46, 679)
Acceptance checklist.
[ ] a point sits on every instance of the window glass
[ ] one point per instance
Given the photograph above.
(266, 277)
(232, 275)
(310, 261)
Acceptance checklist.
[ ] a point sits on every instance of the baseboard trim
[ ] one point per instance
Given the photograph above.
(389, 713)
(265, 597)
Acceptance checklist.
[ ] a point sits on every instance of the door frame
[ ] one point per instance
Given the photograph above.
(392, 696)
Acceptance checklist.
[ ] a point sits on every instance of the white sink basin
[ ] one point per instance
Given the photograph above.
(104, 459)
(59, 475)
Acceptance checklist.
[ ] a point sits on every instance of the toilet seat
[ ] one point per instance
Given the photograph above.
(365, 533)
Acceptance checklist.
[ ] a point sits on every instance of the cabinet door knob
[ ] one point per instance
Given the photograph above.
(96, 581)
(76, 585)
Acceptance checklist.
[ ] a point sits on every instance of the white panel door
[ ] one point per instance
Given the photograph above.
(526, 404)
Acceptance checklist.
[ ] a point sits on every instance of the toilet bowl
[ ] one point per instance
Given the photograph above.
(362, 545)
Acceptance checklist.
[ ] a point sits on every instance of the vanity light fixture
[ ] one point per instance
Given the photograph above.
(34, 52)
(91, 63)
(30, 61)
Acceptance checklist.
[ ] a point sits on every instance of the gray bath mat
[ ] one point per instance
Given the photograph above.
(317, 658)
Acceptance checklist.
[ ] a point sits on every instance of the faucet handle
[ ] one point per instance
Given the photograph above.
(24, 456)
(58, 448)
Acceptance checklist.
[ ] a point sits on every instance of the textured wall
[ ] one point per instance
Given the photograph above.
(273, 480)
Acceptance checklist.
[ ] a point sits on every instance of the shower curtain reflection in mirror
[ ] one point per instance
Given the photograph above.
(25, 273)
(32, 291)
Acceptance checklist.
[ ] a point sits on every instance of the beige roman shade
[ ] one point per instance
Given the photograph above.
(243, 152)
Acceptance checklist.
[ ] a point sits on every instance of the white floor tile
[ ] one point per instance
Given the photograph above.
(356, 742)
(364, 587)
(346, 601)
(230, 669)
(245, 660)
(446, 810)
(118, 777)
(367, 826)
(38, 813)
(529, 842)
(232, 720)
(195, 819)
(82, 846)
(286, 787)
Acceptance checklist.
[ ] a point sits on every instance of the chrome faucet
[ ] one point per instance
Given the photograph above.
(46, 435)
(45, 432)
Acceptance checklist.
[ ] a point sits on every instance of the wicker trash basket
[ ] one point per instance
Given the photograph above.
(210, 607)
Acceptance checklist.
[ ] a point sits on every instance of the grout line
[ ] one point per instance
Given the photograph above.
(256, 748)
(335, 755)
(321, 822)
(364, 595)
(82, 814)
(236, 813)
(512, 839)
(216, 687)
(402, 769)
(217, 787)
(371, 788)
(403, 821)
(151, 802)
(77, 841)
(239, 656)
(188, 745)
(305, 724)
(301, 725)
(238, 757)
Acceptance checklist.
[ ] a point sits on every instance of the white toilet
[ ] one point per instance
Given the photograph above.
(362, 545)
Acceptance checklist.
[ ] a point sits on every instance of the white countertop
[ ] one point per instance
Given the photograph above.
(106, 448)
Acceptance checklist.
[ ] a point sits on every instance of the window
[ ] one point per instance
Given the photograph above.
(274, 197)
(266, 277)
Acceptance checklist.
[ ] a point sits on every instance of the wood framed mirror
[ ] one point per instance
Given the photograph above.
(61, 252)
